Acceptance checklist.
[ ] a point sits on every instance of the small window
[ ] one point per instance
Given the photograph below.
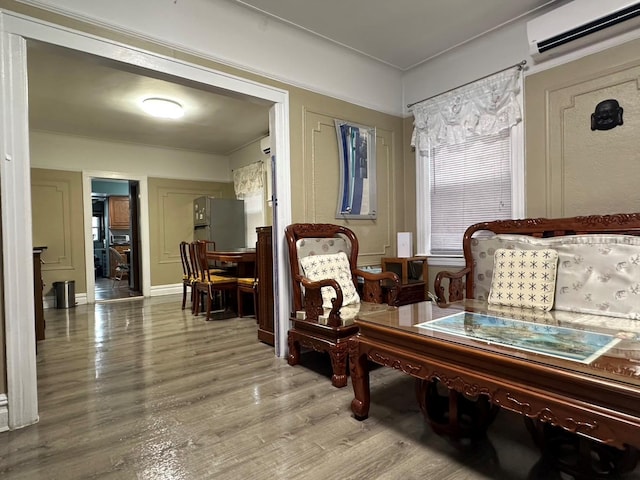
(97, 228)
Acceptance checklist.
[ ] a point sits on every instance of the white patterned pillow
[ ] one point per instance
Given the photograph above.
(524, 278)
(482, 252)
(597, 273)
(335, 266)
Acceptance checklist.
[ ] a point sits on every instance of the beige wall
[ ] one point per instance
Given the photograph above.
(171, 221)
(315, 170)
(572, 170)
(66, 152)
(56, 203)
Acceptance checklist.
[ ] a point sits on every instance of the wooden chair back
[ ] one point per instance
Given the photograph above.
(187, 271)
(316, 232)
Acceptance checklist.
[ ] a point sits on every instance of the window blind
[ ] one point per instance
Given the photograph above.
(470, 182)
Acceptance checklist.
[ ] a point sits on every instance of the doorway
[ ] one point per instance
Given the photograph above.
(130, 232)
(116, 233)
(15, 174)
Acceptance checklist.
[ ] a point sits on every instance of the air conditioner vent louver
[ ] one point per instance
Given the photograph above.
(580, 23)
(265, 145)
(589, 28)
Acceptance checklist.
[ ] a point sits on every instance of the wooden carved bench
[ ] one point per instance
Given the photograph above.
(598, 274)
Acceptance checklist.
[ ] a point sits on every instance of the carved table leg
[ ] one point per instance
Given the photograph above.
(359, 366)
(338, 356)
(578, 456)
(453, 414)
(294, 349)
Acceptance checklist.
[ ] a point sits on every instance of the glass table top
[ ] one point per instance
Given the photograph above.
(600, 346)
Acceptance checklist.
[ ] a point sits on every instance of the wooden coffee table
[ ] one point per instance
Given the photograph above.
(563, 372)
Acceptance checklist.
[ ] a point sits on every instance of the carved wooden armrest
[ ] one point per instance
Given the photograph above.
(456, 285)
(372, 291)
(313, 300)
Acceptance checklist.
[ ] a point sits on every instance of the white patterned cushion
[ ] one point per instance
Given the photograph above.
(524, 278)
(482, 251)
(597, 273)
(335, 266)
(322, 246)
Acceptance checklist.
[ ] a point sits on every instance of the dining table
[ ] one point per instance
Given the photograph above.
(243, 261)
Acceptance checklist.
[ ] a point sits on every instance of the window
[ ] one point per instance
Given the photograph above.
(468, 183)
(248, 183)
(254, 215)
(469, 154)
(96, 228)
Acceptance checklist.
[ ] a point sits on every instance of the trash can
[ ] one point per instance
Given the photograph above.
(65, 293)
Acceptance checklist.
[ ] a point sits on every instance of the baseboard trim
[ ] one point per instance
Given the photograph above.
(50, 300)
(171, 289)
(4, 413)
(156, 291)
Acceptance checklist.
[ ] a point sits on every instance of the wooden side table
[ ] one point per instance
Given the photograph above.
(402, 267)
(413, 287)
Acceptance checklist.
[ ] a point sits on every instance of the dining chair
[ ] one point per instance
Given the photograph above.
(247, 285)
(188, 276)
(207, 284)
(121, 266)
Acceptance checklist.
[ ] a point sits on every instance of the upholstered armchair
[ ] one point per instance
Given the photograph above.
(328, 289)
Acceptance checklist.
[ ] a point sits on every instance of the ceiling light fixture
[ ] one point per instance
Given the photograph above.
(162, 108)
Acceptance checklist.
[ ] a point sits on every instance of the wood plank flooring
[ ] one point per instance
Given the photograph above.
(143, 390)
(107, 289)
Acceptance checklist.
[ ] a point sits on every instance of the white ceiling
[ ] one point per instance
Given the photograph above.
(75, 93)
(87, 96)
(401, 33)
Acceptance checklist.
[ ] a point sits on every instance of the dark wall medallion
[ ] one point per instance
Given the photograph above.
(608, 115)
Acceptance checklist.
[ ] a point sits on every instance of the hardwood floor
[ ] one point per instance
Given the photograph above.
(144, 390)
(107, 289)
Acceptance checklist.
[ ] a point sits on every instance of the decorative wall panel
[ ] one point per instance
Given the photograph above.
(175, 219)
(321, 176)
(51, 214)
(58, 224)
(594, 172)
(171, 222)
(571, 169)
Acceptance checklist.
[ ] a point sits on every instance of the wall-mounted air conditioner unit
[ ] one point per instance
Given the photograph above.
(580, 23)
(265, 145)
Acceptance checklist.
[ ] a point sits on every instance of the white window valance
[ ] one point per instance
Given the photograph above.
(486, 106)
(248, 180)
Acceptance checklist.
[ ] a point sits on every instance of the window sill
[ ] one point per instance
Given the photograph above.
(446, 261)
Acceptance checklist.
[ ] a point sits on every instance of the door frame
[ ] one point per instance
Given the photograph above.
(87, 176)
(15, 185)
